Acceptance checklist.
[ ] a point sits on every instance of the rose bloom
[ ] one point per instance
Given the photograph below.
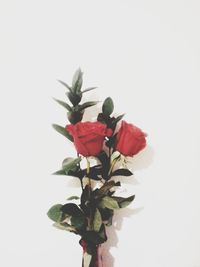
(130, 139)
(88, 137)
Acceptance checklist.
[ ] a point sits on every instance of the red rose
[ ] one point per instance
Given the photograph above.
(130, 139)
(88, 137)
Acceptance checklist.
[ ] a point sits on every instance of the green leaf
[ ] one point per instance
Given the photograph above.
(124, 202)
(77, 81)
(63, 131)
(122, 172)
(74, 98)
(109, 202)
(65, 105)
(55, 213)
(107, 215)
(116, 120)
(88, 89)
(73, 197)
(94, 237)
(102, 232)
(97, 222)
(108, 106)
(77, 216)
(70, 164)
(64, 226)
(87, 105)
(65, 84)
(59, 172)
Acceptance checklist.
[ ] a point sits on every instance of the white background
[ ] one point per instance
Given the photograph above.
(145, 55)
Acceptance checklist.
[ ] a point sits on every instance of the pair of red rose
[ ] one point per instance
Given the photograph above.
(89, 138)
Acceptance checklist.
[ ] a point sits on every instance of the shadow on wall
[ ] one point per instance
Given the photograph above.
(139, 162)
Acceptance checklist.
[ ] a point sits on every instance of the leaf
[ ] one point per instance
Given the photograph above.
(63, 131)
(65, 105)
(109, 202)
(105, 188)
(70, 164)
(103, 157)
(94, 237)
(108, 106)
(124, 202)
(116, 120)
(77, 216)
(97, 222)
(88, 89)
(55, 213)
(65, 226)
(87, 105)
(102, 232)
(65, 84)
(107, 215)
(59, 172)
(73, 197)
(77, 81)
(122, 172)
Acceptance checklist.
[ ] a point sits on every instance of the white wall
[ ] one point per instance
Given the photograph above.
(145, 55)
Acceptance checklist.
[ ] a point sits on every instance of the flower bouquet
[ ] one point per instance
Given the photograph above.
(102, 149)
